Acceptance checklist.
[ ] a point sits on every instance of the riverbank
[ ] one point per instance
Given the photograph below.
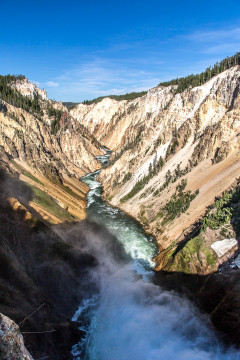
(102, 268)
(131, 299)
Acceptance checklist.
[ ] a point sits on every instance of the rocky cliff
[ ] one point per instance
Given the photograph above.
(11, 341)
(27, 88)
(174, 152)
(42, 144)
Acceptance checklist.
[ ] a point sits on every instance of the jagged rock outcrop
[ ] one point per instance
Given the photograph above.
(27, 88)
(47, 153)
(29, 139)
(11, 341)
(196, 133)
(114, 123)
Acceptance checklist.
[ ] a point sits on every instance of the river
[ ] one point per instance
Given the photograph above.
(131, 318)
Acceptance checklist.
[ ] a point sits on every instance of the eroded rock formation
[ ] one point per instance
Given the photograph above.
(49, 155)
(183, 147)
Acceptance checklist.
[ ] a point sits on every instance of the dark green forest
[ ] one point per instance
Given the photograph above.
(15, 98)
(128, 96)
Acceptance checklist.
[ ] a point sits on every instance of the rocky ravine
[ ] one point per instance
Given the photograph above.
(50, 162)
(43, 276)
(166, 143)
(196, 133)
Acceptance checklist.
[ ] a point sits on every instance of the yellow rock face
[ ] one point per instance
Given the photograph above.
(196, 131)
(51, 163)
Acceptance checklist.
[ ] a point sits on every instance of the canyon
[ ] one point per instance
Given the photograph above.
(174, 167)
(195, 136)
(51, 164)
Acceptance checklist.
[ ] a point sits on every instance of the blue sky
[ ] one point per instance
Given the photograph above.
(80, 50)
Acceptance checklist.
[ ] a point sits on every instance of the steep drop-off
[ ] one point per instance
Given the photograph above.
(40, 274)
(174, 152)
(49, 150)
(44, 275)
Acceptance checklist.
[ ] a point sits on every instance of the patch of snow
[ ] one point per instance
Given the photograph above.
(221, 247)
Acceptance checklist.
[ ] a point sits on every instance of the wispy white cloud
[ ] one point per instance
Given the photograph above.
(215, 36)
(100, 76)
(218, 41)
(127, 67)
(230, 48)
(52, 84)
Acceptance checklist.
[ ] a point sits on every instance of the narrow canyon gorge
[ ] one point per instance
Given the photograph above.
(116, 214)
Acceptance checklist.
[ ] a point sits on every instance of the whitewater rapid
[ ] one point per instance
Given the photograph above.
(130, 318)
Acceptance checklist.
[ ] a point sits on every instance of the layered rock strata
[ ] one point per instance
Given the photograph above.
(168, 145)
(52, 162)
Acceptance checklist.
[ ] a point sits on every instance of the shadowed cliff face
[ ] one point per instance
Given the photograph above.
(53, 272)
(215, 294)
(38, 268)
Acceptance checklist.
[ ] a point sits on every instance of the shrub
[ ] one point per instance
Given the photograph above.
(178, 204)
